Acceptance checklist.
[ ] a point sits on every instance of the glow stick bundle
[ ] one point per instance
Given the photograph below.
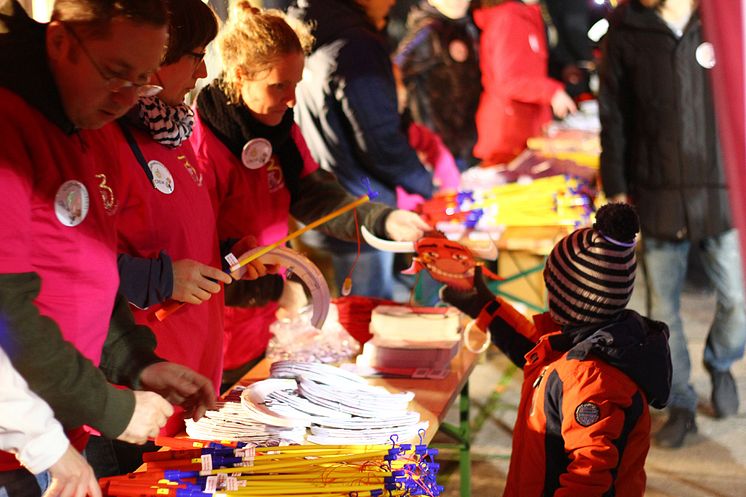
(550, 201)
(306, 470)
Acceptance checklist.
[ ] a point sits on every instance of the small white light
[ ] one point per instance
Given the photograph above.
(598, 30)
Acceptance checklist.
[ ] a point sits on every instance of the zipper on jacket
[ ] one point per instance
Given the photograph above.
(535, 386)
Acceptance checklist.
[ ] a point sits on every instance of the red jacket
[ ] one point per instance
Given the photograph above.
(516, 89)
(583, 424)
(247, 201)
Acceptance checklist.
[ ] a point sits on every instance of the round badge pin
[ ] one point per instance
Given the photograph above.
(162, 179)
(587, 414)
(256, 153)
(458, 50)
(71, 203)
(705, 55)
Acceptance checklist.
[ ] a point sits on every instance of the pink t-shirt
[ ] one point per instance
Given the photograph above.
(248, 202)
(61, 199)
(61, 195)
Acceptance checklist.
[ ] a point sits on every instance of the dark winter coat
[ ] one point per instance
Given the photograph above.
(347, 106)
(659, 137)
(440, 69)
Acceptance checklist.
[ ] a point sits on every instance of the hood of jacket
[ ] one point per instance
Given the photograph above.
(26, 71)
(528, 13)
(332, 19)
(424, 12)
(634, 344)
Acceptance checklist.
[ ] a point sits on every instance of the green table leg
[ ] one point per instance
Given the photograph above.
(462, 435)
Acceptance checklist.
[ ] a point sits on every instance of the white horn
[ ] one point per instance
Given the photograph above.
(386, 245)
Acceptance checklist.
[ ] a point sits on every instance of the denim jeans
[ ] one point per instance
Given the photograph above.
(665, 270)
(21, 483)
(373, 275)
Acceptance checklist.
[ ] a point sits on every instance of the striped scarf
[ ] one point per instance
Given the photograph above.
(169, 126)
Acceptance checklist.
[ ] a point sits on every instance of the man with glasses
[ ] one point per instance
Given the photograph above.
(61, 186)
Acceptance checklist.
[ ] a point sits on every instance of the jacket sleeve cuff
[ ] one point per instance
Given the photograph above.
(145, 281)
(42, 452)
(118, 411)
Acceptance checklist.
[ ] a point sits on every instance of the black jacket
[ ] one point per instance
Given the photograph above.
(659, 137)
(347, 106)
(440, 69)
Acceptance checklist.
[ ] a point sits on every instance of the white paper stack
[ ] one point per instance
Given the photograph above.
(399, 354)
(415, 324)
(358, 413)
(230, 422)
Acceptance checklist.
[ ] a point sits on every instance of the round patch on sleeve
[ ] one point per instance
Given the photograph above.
(587, 413)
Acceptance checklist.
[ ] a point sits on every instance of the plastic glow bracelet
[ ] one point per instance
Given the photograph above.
(302, 267)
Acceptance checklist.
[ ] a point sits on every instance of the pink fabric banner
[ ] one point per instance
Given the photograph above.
(724, 28)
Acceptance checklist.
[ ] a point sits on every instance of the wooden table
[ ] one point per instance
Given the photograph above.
(432, 399)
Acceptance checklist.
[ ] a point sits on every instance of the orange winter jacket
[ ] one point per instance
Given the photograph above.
(583, 425)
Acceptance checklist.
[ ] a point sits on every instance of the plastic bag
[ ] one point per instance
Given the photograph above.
(297, 339)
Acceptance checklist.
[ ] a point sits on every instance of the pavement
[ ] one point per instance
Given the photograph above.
(712, 463)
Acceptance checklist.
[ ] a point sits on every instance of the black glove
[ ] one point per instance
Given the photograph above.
(470, 302)
(254, 293)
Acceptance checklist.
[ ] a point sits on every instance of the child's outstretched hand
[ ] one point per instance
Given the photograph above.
(470, 302)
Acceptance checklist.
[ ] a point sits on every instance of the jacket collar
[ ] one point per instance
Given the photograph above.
(637, 16)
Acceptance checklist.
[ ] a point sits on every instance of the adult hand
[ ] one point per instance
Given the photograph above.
(470, 302)
(254, 269)
(72, 477)
(181, 386)
(562, 104)
(151, 413)
(405, 226)
(293, 298)
(195, 282)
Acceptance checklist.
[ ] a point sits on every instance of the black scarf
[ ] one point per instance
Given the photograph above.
(234, 126)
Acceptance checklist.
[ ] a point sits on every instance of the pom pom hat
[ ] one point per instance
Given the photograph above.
(590, 273)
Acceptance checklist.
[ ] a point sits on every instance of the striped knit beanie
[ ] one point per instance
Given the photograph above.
(591, 272)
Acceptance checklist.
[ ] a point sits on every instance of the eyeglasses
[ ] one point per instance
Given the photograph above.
(113, 83)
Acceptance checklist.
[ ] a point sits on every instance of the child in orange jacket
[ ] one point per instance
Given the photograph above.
(591, 367)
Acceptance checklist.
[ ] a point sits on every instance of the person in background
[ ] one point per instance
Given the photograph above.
(571, 60)
(59, 174)
(439, 65)
(28, 430)
(246, 138)
(518, 97)
(348, 111)
(661, 153)
(590, 366)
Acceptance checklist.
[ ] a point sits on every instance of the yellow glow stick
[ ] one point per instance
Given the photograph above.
(291, 490)
(296, 464)
(297, 233)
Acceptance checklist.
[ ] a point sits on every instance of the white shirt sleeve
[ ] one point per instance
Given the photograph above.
(27, 424)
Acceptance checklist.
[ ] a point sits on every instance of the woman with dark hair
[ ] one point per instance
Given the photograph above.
(167, 238)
